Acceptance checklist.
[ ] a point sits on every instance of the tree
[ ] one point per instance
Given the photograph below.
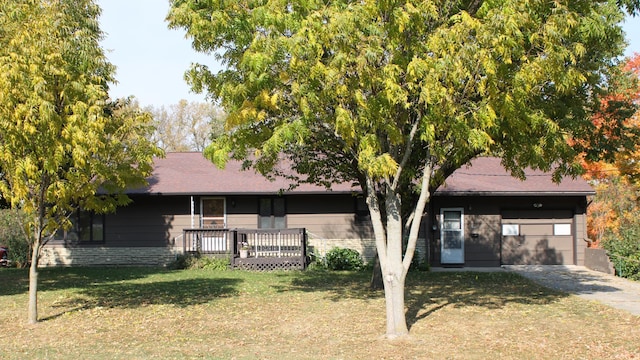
(186, 126)
(616, 179)
(63, 145)
(396, 95)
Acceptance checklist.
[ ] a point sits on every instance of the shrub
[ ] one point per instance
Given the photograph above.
(343, 259)
(213, 263)
(189, 261)
(13, 238)
(624, 251)
(418, 264)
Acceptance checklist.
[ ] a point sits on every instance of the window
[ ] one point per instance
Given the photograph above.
(452, 220)
(510, 230)
(86, 227)
(561, 229)
(272, 213)
(213, 213)
(362, 210)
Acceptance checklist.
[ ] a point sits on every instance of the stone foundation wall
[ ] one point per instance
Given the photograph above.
(162, 256)
(104, 256)
(366, 247)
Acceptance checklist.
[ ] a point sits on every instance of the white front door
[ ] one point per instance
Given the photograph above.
(452, 236)
(213, 216)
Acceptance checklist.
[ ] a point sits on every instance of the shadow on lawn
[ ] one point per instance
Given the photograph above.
(338, 285)
(430, 292)
(181, 293)
(16, 281)
(128, 295)
(122, 288)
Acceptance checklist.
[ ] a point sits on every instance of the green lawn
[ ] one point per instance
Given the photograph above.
(140, 313)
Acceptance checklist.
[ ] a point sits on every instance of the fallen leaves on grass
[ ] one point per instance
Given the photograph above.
(140, 313)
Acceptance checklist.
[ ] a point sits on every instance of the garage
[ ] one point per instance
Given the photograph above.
(483, 216)
(538, 237)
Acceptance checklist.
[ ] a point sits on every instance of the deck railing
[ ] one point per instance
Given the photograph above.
(267, 248)
(273, 242)
(208, 241)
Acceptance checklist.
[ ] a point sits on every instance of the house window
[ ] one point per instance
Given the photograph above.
(272, 213)
(510, 229)
(86, 227)
(212, 213)
(561, 229)
(362, 210)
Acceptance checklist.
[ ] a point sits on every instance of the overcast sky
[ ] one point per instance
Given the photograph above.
(151, 59)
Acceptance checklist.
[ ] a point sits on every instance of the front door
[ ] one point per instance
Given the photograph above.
(213, 217)
(452, 236)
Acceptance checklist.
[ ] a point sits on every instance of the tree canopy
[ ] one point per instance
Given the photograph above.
(186, 126)
(396, 95)
(63, 145)
(617, 180)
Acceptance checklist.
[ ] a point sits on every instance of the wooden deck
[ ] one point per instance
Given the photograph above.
(269, 249)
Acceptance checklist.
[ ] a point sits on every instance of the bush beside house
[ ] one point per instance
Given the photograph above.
(12, 237)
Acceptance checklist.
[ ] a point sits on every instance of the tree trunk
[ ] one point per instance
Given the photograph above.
(394, 300)
(33, 283)
(376, 276)
(389, 244)
(393, 272)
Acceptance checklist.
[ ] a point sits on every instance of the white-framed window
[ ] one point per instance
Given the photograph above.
(212, 213)
(510, 229)
(561, 229)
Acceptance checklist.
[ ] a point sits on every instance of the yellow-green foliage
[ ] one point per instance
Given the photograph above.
(395, 95)
(510, 77)
(60, 139)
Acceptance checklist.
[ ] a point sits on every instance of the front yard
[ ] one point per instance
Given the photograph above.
(141, 313)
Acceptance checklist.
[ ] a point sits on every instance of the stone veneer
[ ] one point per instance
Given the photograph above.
(366, 247)
(104, 256)
(162, 256)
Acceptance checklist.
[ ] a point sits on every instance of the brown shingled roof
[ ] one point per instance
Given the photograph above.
(190, 173)
(486, 176)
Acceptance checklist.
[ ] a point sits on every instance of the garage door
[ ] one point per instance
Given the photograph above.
(538, 237)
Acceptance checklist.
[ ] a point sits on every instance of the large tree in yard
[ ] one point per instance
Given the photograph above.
(62, 142)
(396, 95)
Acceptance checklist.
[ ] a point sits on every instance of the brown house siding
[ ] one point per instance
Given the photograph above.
(481, 228)
(484, 244)
(150, 221)
(156, 222)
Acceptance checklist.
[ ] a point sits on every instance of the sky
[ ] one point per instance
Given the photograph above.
(151, 59)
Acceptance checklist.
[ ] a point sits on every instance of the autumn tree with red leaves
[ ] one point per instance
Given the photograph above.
(617, 179)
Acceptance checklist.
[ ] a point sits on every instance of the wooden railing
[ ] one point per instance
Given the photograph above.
(261, 242)
(273, 242)
(208, 241)
(268, 249)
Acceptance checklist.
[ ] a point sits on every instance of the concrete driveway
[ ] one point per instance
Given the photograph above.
(593, 285)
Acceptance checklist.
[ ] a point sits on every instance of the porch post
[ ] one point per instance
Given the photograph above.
(192, 212)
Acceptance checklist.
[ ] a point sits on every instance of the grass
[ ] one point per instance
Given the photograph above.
(140, 313)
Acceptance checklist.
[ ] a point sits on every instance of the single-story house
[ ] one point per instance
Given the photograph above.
(486, 218)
